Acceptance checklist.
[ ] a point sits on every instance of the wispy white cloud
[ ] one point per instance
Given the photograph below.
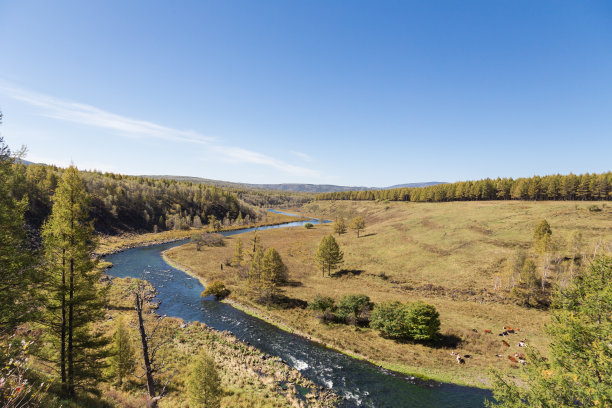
(301, 155)
(84, 114)
(91, 116)
(240, 155)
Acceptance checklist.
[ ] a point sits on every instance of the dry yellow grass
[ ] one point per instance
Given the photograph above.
(447, 254)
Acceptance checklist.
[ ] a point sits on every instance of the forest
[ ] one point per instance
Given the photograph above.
(582, 187)
(121, 203)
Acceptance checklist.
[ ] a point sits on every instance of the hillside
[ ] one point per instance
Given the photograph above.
(292, 187)
(455, 256)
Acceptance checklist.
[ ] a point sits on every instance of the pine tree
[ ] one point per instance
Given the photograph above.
(16, 259)
(238, 255)
(340, 226)
(542, 237)
(357, 224)
(273, 273)
(73, 299)
(122, 363)
(328, 256)
(204, 384)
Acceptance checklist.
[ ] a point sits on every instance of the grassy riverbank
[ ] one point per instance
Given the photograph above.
(109, 244)
(447, 254)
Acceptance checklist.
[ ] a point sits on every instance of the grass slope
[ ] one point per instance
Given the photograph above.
(447, 254)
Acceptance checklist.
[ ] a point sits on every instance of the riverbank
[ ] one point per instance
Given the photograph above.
(112, 244)
(249, 377)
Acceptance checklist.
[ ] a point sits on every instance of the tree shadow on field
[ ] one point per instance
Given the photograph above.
(367, 235)
(285, 302)
(347, 272)
(292, 284)
(441, 341)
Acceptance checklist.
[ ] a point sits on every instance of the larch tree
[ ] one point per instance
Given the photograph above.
(16, 258)
(122, 363)
(340, 226)
(204, 383)
(329, 256)
(73, 298)
(238, 254)
(358, 224)
(273, 274)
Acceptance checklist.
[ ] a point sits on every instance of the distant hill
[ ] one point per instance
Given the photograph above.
(293, 187)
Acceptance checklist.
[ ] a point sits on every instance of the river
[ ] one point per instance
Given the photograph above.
(360, 383)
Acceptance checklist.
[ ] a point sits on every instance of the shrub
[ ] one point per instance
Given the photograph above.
(217, 289)
(354, 304)
(322, 303)
(411, 321)
(308, 225)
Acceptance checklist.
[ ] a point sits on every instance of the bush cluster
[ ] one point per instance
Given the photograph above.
(406, 321)
(351, 309)
(217, 289)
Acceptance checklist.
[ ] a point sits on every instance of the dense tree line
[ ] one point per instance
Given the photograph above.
(556, 187)
(130, 203)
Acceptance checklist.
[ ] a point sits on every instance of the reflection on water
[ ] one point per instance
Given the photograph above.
(360, 383)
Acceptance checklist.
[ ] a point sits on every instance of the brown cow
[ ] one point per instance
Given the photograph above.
(514, 360)
(487, 331)
(505, 343)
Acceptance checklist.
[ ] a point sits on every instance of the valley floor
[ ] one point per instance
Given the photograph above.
(452, 255)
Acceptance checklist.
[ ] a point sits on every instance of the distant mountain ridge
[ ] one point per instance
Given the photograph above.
(293, 187)
(289, 187)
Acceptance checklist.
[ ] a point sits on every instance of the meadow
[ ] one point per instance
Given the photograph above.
(452, 255)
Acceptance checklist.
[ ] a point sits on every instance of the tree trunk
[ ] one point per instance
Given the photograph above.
(145, 348)
(70, 332)
(63, 327)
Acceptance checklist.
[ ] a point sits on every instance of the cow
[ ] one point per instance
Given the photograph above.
(522, 343)
(460, 360)
(506, 328)
(514, 360)
(487, 331)
(505, 343)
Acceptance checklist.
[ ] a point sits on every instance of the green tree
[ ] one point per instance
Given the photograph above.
(122, 362)
(578, 371)
(74, 300)
(256, 267)
(340, 226)
(354, 304)
(358, 224)
(273, 267)
(542, 237)
(238, 255)
(329, 256)
(16, 258)
(204, 384)
(321, 303)
(527, 291)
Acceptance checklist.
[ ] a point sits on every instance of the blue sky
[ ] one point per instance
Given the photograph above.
(343, 92)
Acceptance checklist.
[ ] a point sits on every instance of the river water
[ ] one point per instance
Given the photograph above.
(360, 383)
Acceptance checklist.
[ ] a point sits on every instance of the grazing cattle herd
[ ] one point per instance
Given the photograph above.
(517, 358)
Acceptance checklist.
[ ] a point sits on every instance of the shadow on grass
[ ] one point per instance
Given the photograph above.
(285, 302)
(439, 342)
(367, 235)
(293, 284)
(346, 272)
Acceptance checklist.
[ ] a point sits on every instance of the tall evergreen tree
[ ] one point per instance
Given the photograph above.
(16, 258)
(329, 256)
(238, 255)
(73, 298)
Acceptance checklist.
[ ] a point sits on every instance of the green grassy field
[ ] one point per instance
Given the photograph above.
(452, 255)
